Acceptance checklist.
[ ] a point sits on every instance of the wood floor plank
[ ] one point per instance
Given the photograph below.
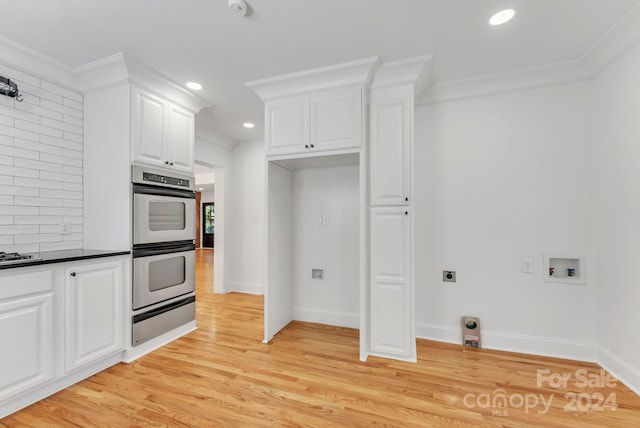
(222, 375)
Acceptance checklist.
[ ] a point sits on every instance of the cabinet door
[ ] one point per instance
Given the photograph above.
(26, 332)
(149, 145)
(95, 318)
(180, 139)
(287, 126)
(336, 120)
(392, 333)
(390, 152)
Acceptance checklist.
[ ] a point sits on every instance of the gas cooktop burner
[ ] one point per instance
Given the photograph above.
(16, 258)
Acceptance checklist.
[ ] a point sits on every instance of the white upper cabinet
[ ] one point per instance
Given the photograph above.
(329, 120)
(287, 126)
(390, 170)
(336, 120)
(181, 138)
(163, 133)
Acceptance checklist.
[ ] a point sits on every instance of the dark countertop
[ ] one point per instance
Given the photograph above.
(49, 257)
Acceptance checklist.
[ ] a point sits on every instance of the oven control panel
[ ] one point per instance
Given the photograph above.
(163, 179)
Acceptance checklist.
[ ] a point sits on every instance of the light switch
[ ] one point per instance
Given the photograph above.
(527, 265)
(322, 220)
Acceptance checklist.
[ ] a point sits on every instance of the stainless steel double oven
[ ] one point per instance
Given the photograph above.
(164, 217)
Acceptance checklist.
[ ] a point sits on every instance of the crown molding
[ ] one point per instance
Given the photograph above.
(415, 72)
(611, 46)
(122, 68)
(36, 64)
(354, 73)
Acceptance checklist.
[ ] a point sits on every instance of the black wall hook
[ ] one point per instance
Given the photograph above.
(9, 88)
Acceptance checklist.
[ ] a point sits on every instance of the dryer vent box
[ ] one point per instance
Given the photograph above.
(470, 331)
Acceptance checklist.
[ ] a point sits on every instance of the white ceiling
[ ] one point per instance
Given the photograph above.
(201, 40)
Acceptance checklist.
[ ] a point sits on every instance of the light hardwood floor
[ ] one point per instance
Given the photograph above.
(223, 376)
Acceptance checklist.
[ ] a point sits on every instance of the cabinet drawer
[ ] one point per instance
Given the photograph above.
(22, 284)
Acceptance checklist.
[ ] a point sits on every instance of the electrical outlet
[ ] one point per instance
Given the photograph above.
(65, 228)
(317, 273)
(527, 265)
(449, 275)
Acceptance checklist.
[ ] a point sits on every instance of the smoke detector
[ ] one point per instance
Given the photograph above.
(238, 6)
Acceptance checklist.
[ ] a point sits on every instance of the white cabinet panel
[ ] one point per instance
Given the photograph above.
(95, 318)
(390, 152)
(148, 129)
(163, 133)
(26, 331)
(180, 140)
(325, 121)
(336, 120)
(390, 275)
(287, 126)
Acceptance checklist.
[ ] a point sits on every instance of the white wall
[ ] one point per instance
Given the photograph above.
(210, 154)
(616, 186)
(332, 193)
(41, 165)
(497, 179)
(245, 218)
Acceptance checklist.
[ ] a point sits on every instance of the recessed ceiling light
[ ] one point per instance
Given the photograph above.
(502, 17)
(248, 125)
(194, 85)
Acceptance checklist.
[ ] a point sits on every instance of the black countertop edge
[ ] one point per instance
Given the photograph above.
(62, 256)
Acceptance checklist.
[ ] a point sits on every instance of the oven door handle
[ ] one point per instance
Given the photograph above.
(163, 191)
(163, 309)
(155, 250)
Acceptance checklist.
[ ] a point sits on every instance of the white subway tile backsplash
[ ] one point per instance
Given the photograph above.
(40, 93)
(71, 170)
(6, 120)
(58, 246)
(18, 114)
(37, 238)
(38, 184)
(59, 142)
(40, 111)
(38, 147)
(46, 175)
(74, 212)
(62, 160)
(41, 166)
(77, 104)
(11, 131)
(18, 211)
(18, 172)
(40, 220)
(19, 230)
(18, 152)
(6, 160)
(18, 191)
(38, 202)
(61, 91)
(40, 129)
(55, 124)
(38, 165)
(70, 136)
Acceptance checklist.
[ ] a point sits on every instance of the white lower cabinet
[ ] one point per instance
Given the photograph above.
(26, 332)
(392, 332)
(95, 313)
(59, 323)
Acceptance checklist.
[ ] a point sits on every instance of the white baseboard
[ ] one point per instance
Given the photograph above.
(621, 369)
(245, 287)
(339, 319)
(548, 347)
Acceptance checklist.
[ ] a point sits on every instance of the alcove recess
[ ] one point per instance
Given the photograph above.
(565, 269)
